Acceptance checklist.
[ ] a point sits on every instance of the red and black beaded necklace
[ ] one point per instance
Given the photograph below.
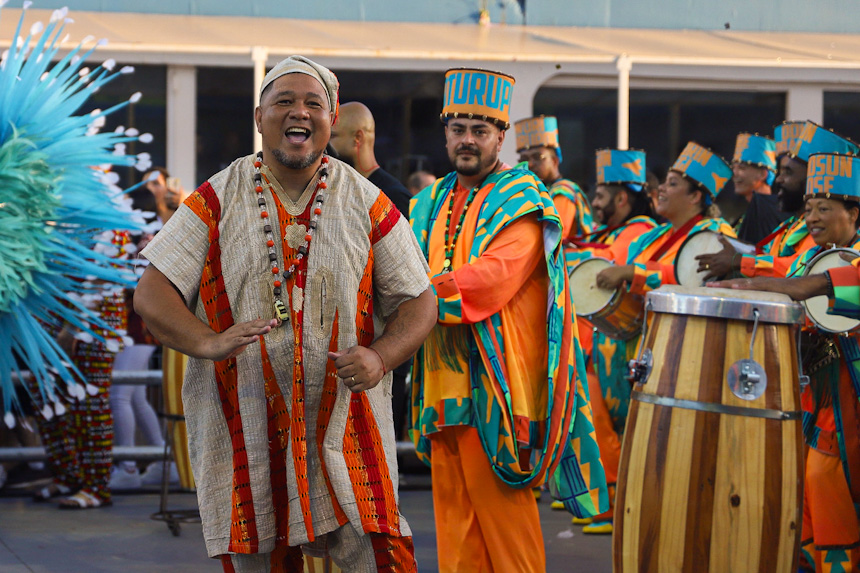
(450, 242)
(281, 312)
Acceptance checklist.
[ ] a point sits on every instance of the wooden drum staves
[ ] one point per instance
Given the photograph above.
(711, 470)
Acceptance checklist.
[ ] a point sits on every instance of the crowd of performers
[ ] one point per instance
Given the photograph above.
(296, 287)
(818, 193)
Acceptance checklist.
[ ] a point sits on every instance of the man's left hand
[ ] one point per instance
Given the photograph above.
(359, 367)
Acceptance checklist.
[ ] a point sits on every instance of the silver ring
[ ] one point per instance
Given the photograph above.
(353, 380)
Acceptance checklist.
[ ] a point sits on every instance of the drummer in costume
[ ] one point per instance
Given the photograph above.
(537, 144)
(499, 393)
(830, 536)
(795, 142)
(753, 172)
(623, 207)
(686, 200)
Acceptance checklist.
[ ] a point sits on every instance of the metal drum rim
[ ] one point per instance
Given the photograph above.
(725, 307)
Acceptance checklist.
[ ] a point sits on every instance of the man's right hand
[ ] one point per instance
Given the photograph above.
(235, 339)
(719, 264)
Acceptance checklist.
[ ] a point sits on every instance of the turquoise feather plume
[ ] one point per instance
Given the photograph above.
(56, 203)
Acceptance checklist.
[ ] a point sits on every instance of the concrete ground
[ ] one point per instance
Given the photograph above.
(39, 538)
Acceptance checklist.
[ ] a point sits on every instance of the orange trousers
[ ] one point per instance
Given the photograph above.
(482, 525)
(608, 439)
(830, 537)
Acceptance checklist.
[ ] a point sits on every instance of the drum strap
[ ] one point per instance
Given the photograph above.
(716, 408)
(676, 236)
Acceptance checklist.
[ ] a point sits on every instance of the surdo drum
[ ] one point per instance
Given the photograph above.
(710, 478)
(615, 313)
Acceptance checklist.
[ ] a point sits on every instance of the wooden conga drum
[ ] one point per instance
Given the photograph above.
(710, 478)
(173, 367)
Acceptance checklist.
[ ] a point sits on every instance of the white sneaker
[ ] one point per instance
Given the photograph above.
(122, 479)
(155, 471)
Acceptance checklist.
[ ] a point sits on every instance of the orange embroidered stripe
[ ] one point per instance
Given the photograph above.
(329, 396)
(383, 216)
(298, 433)
(243, 526)
(362, 448)
(278, 426)
(393, 554)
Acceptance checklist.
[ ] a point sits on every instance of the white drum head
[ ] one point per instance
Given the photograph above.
(686, 265)
(702, 243)
(816, 307)
(588, 298)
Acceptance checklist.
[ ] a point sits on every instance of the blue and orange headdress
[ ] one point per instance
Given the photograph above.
(705, 168)
(833, 175)
(541, 131)
(816, 139)
(754, 149)
(472, 93)
(785, 134)
(621, 167)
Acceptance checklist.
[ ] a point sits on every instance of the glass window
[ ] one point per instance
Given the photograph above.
(225, 118)
(842, 113)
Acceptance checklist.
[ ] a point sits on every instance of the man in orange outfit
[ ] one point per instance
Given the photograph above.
(499, 397)
(622, 205)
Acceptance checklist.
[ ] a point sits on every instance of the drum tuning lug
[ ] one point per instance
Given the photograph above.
(747, 379)
(804, 381)
(640, 369)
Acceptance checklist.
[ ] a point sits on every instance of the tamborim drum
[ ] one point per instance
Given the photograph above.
(710, 476)
(816, 307)
(615, 313)
(702, 243)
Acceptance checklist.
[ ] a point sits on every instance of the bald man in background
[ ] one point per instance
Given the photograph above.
(353, 137)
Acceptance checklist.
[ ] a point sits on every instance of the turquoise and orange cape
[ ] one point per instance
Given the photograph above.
(561, 437)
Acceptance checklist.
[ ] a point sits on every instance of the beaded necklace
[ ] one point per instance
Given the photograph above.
(449, 246)
(280, 308)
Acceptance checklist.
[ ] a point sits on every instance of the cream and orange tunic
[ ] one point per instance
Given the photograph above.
(282, 451)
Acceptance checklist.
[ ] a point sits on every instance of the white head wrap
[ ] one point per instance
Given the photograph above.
(302, 65)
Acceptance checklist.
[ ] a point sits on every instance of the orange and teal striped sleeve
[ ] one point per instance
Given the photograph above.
(648, 274)
(845, 298)
(780, 253)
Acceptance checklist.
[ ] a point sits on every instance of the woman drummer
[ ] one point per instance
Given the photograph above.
(686, 201)
(831, 411)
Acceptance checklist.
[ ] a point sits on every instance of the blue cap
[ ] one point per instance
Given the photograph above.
(817, 139)
(755, 150)
(785, 134)
(621, 166)
(833, 175)
(704, 167)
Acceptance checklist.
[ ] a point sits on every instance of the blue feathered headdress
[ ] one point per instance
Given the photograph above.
(58, 200)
